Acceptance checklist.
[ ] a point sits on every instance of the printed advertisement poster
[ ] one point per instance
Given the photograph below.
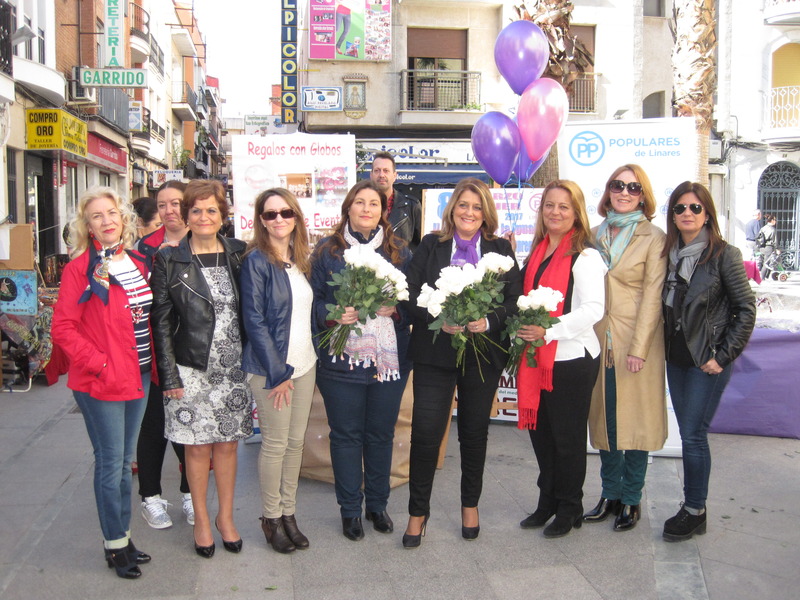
(516, 211)
(318, 169)
(589, 151)
(350, 29)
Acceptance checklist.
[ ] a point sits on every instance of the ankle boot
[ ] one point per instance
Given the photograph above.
(603, 510)
(290, 527)
(276, 535)
(628, 517)
(123, 563)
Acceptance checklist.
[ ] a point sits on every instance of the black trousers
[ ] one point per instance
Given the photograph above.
(559, 440)
(153, 445)
(433, 396)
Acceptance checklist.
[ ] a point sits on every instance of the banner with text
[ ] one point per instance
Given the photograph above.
(318, 169)
(589, 151)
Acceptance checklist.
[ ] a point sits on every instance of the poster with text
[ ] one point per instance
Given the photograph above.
(589, 151)
(317, 169)
(350, 29)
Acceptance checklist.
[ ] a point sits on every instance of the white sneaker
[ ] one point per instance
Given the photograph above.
(188, 508)
(154, 511)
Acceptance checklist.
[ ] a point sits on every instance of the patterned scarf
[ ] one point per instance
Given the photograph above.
(531, 381)
(611, 250)
(97, 273)
(377, 344)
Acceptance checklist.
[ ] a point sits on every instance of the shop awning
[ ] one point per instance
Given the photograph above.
(436, 173)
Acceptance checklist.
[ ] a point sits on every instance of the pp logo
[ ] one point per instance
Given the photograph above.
(587, 148)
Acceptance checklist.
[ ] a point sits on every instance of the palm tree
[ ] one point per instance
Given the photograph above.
(569, 59)
(694, 72)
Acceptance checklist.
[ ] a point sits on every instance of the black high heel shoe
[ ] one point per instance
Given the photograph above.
(234, 547)
(413, 541)
(137, 555)
(469, 533)
(123, 563)
(204, 551)
(603, 510)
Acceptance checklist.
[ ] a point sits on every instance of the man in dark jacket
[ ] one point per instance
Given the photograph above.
(405, 213)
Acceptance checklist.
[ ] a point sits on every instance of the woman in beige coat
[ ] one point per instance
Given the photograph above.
(628, 416)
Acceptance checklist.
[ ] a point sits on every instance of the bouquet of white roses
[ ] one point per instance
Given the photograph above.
(465, 294)
(367, 282)
(534, 309)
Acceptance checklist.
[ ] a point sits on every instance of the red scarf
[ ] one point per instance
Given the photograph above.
(531, 381)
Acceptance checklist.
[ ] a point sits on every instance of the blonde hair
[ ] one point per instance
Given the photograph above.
(647, 202)
(582, 230)
(490, 219)
(79, 226)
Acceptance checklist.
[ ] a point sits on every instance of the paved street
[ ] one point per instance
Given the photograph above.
(50, 543)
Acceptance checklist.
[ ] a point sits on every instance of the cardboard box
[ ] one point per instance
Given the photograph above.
(21, 247)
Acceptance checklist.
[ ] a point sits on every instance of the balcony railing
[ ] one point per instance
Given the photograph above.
(184, 94)
(440, 90)
(583, 98)
(157, 130)
(783, 110)
(113, 107)
(145, 132)
(6, 49)
(140, 22)
(156, 55)
(782, 12)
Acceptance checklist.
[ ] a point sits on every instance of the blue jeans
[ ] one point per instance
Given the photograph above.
(362, 419)
(113, 429)
(622, 471)
(695, 397)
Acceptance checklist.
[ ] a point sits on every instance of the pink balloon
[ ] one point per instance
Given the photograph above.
(541, 114)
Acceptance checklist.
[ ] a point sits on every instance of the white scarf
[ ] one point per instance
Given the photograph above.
(377, 343)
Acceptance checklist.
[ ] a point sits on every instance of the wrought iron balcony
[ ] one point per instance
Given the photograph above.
(113, 107)
(439, 90)
(782, 114)
(184, 101)
(6, 48)
(583, 98)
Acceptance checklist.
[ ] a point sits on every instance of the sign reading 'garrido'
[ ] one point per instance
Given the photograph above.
(119, 78)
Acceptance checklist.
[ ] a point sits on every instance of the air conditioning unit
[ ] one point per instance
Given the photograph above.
(79, 94)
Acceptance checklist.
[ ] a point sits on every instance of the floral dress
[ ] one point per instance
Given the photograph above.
(216, 403)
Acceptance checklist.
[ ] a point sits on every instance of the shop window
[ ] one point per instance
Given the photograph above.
(11, 176)
(105, 179)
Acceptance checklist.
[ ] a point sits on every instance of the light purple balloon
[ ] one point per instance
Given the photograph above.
(496, 144)
(521, 53)
(524, 168)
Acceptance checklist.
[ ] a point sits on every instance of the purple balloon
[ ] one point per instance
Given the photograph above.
(524, 168)
(521, 53)
(496, 144)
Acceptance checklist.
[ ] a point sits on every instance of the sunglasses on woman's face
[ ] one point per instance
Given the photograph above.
(271, 215)
(679, 209)
(617, 185)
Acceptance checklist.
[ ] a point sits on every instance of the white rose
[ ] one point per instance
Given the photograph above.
(424, 295)
(435, 310)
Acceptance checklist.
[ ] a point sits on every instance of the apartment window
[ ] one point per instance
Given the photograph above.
(101, 43)
(653, 8)
(11, 176)
(40, 40)
(653, 106)
(29, 43)
(437, 63)
(583, 96)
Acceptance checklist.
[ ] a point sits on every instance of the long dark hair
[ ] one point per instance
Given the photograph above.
(298, 242)
(715, 242)
(391, 244)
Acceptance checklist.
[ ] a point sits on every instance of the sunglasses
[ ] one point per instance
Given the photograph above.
(679, 209)
(271, 215)
(634, 187)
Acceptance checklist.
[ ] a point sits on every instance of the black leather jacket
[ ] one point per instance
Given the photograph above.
(182, 316)
(406, 219)
(719, 310)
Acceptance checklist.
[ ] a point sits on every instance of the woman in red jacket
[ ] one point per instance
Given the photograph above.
(102, 322)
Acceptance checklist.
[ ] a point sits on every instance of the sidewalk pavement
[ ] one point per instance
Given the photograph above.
(50, 542)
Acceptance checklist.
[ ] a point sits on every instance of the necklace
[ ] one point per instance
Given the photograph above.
(194, 253)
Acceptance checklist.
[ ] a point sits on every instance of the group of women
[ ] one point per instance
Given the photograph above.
(216, 323)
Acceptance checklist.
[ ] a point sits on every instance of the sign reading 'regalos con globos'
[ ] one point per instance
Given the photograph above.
(350, 29)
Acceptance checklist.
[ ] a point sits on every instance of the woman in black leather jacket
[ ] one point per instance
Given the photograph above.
(709, 314)
(198, 339)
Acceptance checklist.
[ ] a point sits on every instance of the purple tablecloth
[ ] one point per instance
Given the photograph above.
(763, 396)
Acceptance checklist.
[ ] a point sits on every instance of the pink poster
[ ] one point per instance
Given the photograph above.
(350, 29)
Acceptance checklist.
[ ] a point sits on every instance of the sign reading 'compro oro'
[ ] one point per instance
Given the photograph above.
(55, 129)
(120, 78)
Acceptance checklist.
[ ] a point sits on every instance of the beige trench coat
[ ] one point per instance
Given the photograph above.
(633, 314)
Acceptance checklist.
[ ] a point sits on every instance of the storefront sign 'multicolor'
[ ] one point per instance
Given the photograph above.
(117, 78)
(55, 129)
